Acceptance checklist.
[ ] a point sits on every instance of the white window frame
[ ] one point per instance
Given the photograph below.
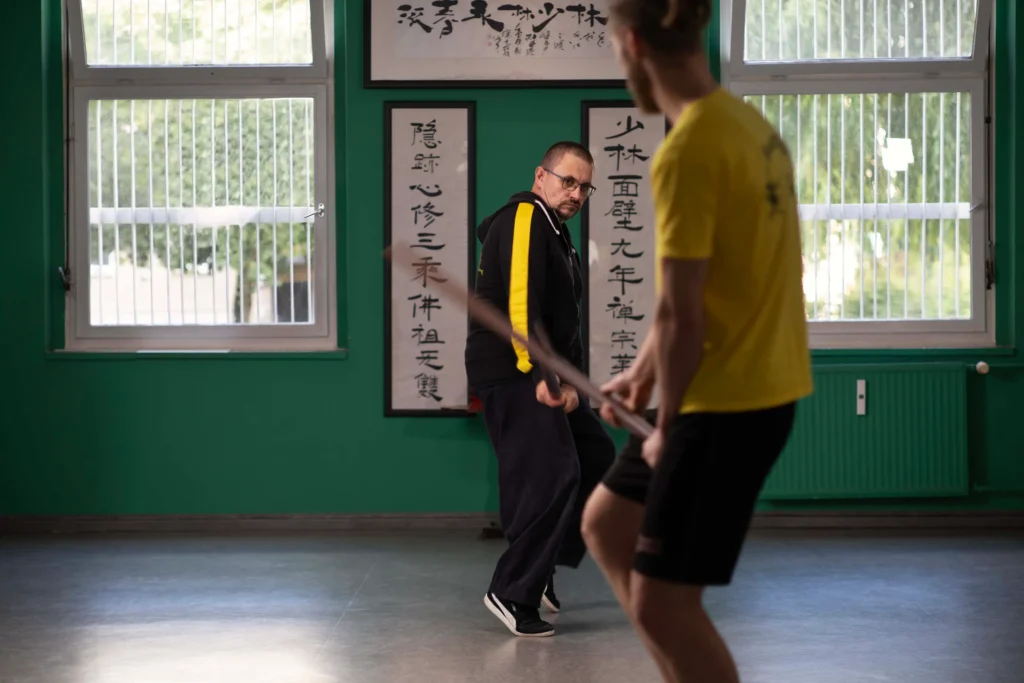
(870, 76)
(159, 82)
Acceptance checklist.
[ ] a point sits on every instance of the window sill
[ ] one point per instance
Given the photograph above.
(978, 353)
(335, 355)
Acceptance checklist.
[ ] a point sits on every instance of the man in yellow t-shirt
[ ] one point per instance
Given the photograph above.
(727, 351)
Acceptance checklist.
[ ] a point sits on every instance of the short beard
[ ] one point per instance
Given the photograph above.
(565, 217)
(639, 84)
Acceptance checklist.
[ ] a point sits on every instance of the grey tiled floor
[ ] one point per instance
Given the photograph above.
(805, 608)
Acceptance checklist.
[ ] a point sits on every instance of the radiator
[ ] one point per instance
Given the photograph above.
(905, 435)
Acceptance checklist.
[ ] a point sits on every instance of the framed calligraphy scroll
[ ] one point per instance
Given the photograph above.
(429, 180)
(618, 234)
(482, 44)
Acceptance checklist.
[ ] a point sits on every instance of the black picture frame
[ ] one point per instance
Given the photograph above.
(471, 249)
(370, 83)
(585, 107)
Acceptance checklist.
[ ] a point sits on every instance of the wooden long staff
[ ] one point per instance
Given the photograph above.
(402, 256)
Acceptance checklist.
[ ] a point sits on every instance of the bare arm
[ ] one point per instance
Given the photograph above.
(647, 358)
(680, 332)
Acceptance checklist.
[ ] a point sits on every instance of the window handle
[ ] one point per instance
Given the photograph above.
(319, 213)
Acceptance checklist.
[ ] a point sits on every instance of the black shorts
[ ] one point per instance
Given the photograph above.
(700, 499)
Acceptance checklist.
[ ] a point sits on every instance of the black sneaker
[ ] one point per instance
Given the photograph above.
(549, 600)
(522, 620)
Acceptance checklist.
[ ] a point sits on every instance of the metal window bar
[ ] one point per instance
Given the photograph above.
(956, 194)
(273, 105)
(291, 195)
(931, 43)
(195, 201)
(167, 203)
(866, 218)
(241, 202)
(128, 36)
(828, 197)
(117, 226)
(259, 202)
(152, 226)
(181, 203)
(213, 198)
(310, 217)
(228, 318)
(942, 193)
(209, 212)
(99, 202)
(139, 17)
(888, 199)
(906, 223)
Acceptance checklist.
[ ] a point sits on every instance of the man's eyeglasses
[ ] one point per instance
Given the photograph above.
(569, 184)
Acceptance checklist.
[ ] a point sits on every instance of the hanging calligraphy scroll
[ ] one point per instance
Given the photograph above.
(428, 204)
(479, 44)
(618, 234)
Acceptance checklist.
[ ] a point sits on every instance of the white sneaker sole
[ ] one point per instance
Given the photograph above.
(548, 605)
(510, 623)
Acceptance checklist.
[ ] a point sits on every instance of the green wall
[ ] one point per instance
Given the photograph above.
(305, 434)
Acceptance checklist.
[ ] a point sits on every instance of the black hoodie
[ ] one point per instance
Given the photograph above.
(530, 271)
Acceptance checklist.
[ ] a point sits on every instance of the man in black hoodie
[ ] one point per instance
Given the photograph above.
(552, 449)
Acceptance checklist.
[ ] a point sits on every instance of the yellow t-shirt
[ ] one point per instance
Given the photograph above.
(723, 191)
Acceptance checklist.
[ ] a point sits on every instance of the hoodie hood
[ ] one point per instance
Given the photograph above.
(514, 200)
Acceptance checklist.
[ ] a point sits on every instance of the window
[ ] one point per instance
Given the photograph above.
(199, 171)
(883, 105)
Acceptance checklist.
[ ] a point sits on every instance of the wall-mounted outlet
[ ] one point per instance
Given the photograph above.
(862, 397)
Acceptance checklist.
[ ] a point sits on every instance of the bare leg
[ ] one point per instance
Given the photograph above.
(678, 631)
(611, 526)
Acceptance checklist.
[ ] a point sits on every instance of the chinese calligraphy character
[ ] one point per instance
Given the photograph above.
(622, 275)
(428, 357)
(444, 8)
(428, 211)
(427, 133)
(425, 336)
(618, 152)
(629, 128)
(518, 11)
(412, 16)
(625, 185)
(624, 210)
(621, 311)
(478, 10)
(443, 13)
(427, 304)
(425, 162)
(436, 192)
(593, 15)
(426, 386)
(624, 338)
(448, 28)
(426, 241)
(622, 362)
(621, 245)
(426, 269)
(548, 9)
